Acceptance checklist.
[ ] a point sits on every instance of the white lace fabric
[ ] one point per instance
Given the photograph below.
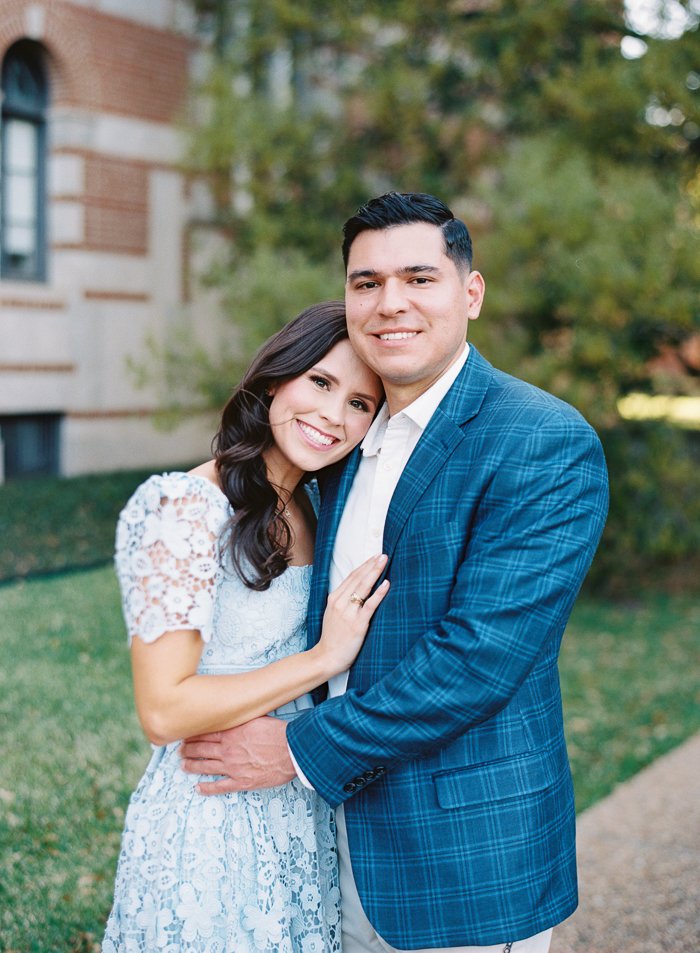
(237, 873)
(167, 555)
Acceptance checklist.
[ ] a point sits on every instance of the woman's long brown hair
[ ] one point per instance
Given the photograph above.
(258, 536)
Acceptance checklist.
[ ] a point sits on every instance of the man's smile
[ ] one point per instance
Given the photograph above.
(397, 335)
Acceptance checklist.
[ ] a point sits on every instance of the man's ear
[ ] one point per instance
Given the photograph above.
(475, 288)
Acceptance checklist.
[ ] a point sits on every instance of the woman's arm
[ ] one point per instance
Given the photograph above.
(174, 702)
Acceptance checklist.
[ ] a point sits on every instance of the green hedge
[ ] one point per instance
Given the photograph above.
(651, 541)
(49, 524)
(652, 536)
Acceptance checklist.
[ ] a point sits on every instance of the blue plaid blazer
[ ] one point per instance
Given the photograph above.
(448, 748)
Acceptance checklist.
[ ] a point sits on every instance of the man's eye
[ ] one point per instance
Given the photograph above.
(368, 285)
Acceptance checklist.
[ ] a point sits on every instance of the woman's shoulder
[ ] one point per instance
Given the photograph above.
(172, 514)
(176, 485)
(206, 471)
(174, 496)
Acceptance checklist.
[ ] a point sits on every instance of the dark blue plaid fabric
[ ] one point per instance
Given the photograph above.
(448, 748)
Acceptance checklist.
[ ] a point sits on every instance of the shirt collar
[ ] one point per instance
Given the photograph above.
(419, 411)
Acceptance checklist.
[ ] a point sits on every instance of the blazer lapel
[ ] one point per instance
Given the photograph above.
(439, 441)
(431, 454)
(444, 433)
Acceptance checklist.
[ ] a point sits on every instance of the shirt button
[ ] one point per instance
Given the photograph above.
(376, 533)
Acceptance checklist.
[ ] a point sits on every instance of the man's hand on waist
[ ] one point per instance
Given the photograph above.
(250, 756)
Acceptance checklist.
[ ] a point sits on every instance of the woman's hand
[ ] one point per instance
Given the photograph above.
(349, 610)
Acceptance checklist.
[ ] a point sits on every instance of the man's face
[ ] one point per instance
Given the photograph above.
(408, 307)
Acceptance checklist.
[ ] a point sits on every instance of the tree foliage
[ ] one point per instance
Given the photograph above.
(594, 270)
(575, 166)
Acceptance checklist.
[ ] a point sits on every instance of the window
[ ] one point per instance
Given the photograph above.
(29, 444)
(22, 162)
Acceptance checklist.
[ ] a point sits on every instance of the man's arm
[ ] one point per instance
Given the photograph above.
(251, 756)
(532, 537)
(530, 548)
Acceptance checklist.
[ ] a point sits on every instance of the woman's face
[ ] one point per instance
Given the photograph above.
(320, 416)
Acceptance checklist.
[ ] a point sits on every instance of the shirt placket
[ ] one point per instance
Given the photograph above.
(388, 470)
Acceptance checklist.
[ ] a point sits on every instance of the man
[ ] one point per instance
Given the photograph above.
(445, 751)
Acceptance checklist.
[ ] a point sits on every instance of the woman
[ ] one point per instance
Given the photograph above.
(214, 567)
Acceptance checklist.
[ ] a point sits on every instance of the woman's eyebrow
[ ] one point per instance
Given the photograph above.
(318, 369)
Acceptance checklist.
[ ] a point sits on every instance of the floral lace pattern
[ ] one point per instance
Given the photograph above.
(235, 873)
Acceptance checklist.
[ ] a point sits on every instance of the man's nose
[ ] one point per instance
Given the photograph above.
(393, 298)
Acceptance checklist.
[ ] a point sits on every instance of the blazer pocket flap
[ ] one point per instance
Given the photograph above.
(482, 784)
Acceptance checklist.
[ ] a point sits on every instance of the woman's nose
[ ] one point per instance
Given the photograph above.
(333, 408)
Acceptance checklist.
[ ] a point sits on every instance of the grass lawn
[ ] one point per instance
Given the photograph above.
(631, 686)
(73, 518)
(73, 750)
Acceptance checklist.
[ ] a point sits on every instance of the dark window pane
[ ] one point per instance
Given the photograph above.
(30, 444)
(24, 86)
(22, 162)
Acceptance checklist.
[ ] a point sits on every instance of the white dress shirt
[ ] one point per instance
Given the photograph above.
(389, 443)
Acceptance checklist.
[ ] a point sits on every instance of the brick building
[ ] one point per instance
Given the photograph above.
(94, 230)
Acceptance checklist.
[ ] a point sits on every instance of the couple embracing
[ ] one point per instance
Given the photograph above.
(424, 790)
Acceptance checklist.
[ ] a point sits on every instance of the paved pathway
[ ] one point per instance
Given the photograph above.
(639, 864)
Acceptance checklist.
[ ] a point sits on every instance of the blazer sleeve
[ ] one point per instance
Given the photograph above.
(532, 536)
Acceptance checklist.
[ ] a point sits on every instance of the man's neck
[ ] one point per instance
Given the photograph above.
(398, 396)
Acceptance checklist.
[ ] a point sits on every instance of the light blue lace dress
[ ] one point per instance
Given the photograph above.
(239, 873)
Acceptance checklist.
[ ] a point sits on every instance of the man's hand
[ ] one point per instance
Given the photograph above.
(254, 755)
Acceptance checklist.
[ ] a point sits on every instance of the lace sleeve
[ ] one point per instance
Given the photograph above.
(167, 555)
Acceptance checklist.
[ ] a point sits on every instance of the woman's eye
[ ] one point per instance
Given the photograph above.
(320, 382)
(359, 405)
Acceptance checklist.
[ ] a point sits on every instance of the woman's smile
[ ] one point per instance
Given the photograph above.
(316, 437)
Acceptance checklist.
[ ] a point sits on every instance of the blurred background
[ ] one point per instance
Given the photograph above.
(174, 176)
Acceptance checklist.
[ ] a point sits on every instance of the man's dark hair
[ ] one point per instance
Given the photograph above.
(407, 208)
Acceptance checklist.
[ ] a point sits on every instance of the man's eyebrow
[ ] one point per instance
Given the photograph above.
(415, 269)
(362, 273)
(406, 270)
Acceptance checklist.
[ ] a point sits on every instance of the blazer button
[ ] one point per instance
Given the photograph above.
(350, 787)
